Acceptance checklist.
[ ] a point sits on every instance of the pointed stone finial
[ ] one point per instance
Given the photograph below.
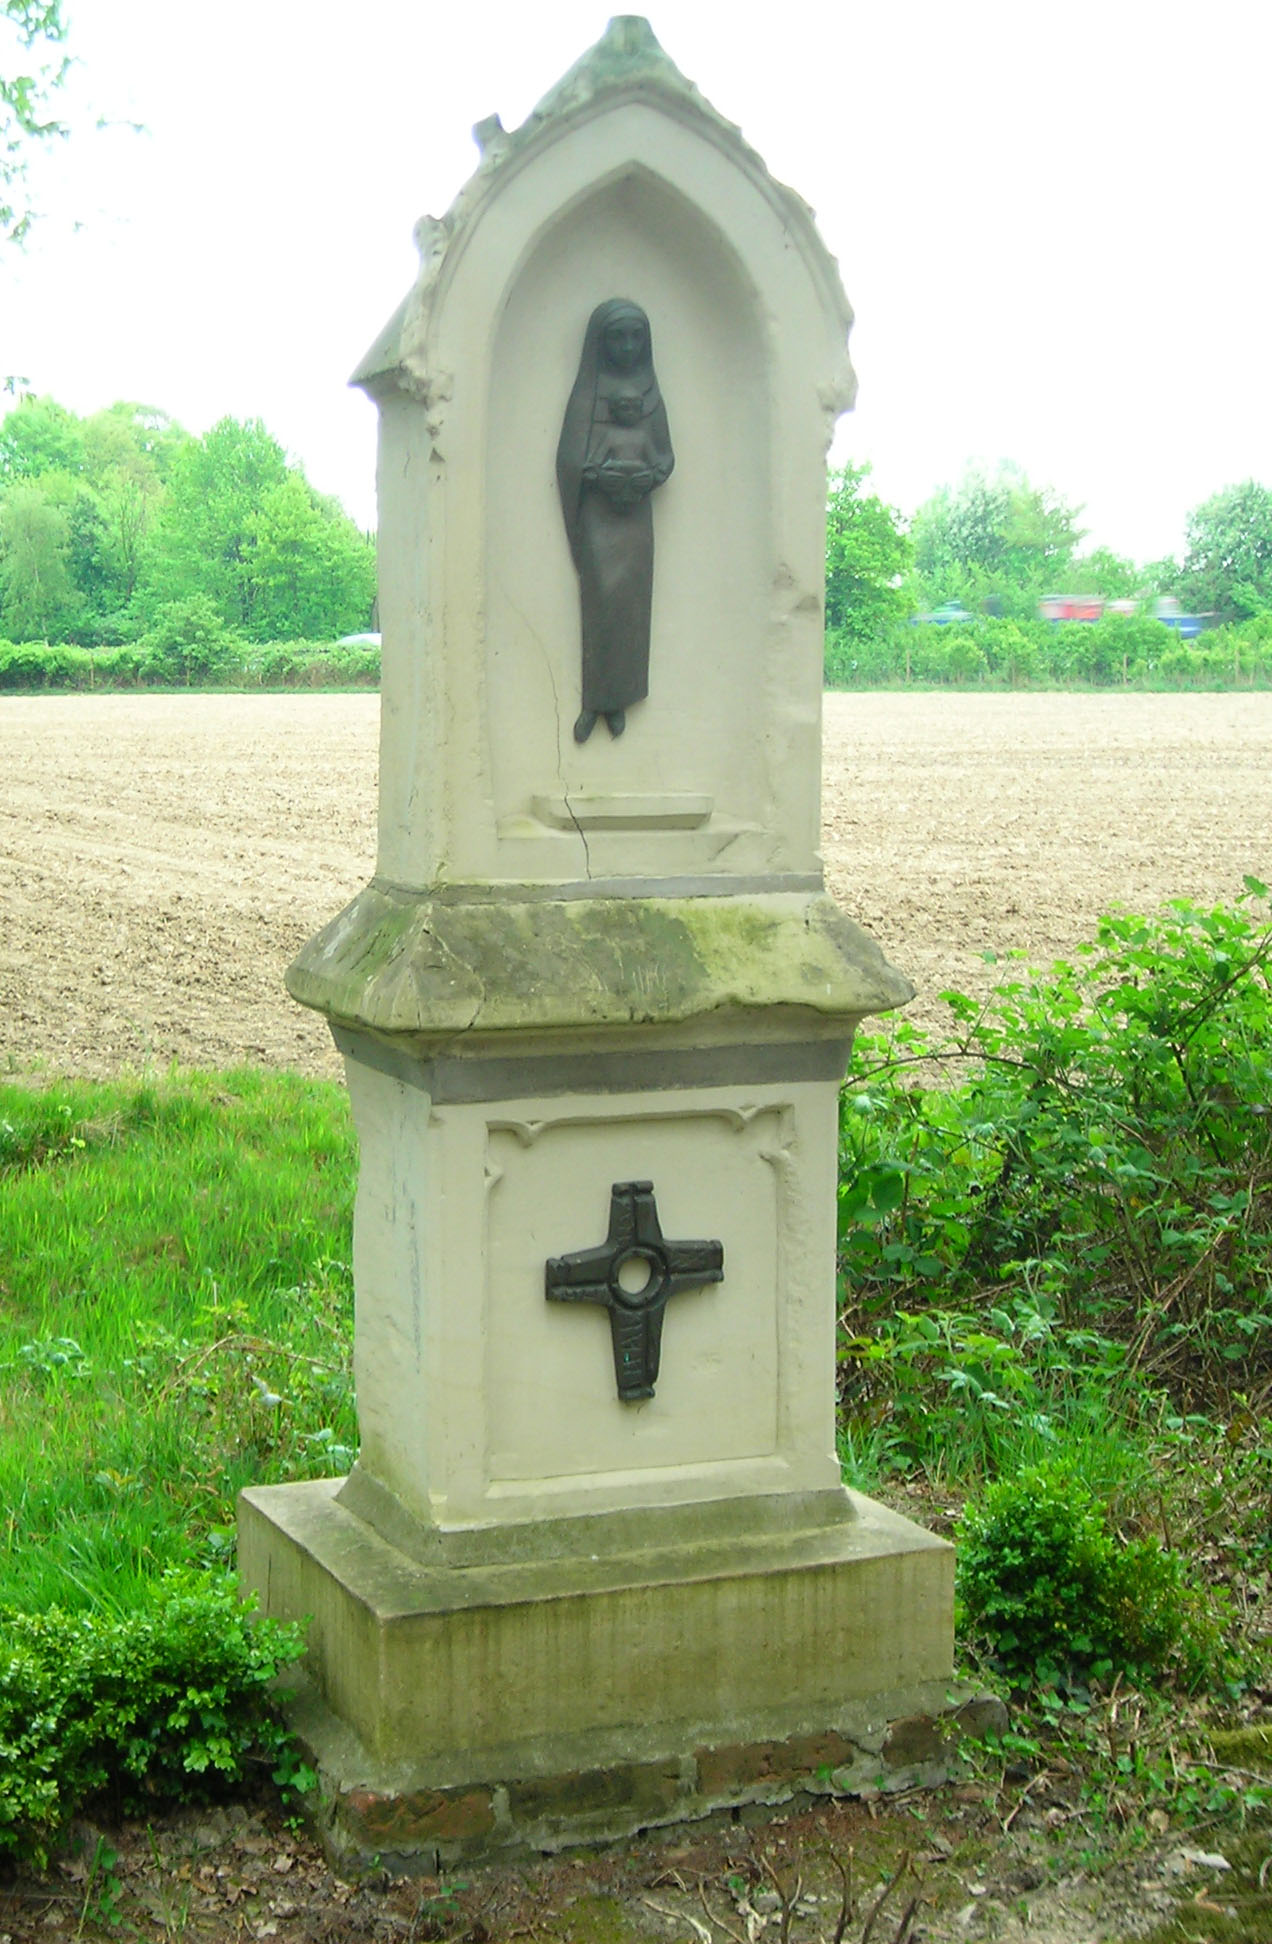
(630, 36)
(628, 52)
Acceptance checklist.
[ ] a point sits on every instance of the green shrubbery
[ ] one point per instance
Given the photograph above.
(168, 1702)
(312, 664)
(1119, 651)
(189, 647)
(1104, 1162)
(1056, 1231)
(1056, 1594)
(1056, 1304)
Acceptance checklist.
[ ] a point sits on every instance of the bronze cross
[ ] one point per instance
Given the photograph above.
(632, 1274)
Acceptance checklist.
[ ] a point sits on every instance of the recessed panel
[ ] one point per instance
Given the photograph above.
(554, 1411)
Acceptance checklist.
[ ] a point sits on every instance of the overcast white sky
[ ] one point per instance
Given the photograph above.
(1052, 219)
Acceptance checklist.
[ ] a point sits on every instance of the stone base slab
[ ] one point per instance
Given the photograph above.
(455, 1712)
(365, 1823)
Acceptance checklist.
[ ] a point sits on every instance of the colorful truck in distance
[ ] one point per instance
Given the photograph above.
(1091, 607)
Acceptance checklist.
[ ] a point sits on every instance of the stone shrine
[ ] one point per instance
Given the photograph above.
(594, 1568)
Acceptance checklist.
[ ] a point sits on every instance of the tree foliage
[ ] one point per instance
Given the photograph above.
(39, 598)
(993, 536)
(1112, 576)
(40, 436)
(107, 520)
(867, 556)
(217, 485)
(1228, 568)
(32, 68)
(312, 570)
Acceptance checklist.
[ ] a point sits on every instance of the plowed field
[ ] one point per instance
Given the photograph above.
(163, 857)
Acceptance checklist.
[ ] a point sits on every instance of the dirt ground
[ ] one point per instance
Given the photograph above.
(162, 858)
(989, 1864)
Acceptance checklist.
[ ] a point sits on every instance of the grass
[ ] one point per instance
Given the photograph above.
(175, 1319)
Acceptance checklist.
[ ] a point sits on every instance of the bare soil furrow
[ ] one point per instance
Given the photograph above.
(162, 858)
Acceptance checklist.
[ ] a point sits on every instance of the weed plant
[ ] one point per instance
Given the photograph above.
(175, 1320)
(1085, 1216)
(1056, 1252)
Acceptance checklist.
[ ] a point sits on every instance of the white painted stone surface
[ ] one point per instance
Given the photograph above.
(481, 1401)
(586, 965)
(651, 197)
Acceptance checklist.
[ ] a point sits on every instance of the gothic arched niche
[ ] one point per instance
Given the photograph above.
(634, 236)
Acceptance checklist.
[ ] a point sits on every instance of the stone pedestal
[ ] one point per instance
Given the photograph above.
(594, 1567)
(595, 1676)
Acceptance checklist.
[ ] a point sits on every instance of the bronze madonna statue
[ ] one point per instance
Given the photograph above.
(614, 450)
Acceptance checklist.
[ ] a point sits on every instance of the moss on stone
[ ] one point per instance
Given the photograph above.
(1245, 1747)
(395, 962)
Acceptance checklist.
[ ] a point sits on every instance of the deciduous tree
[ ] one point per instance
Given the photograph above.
(132, 514)
(129, 453)
(1228, 568)
(130, 438)
(313, 572)
(867, 556)
(207, 528)
(1100, 572)
(40, 436)
(38, 598)
(993, 536)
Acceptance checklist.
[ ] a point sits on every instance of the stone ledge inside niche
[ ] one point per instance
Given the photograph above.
(628, 810)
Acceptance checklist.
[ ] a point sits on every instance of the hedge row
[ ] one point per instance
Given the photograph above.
(33, 665)
(1116, 652)
(986, 653)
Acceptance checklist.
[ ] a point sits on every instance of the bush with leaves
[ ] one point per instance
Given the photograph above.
(313, 664)
(121, 666)
(189, 643)
(867, 555)
(1109, 1151)
(1018, 650)
(167, 1702)
(1055, 1593)
(187, 647)
(35, 665)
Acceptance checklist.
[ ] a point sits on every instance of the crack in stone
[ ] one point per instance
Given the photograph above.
(556, 704)
(445, 954)
(587, 855)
